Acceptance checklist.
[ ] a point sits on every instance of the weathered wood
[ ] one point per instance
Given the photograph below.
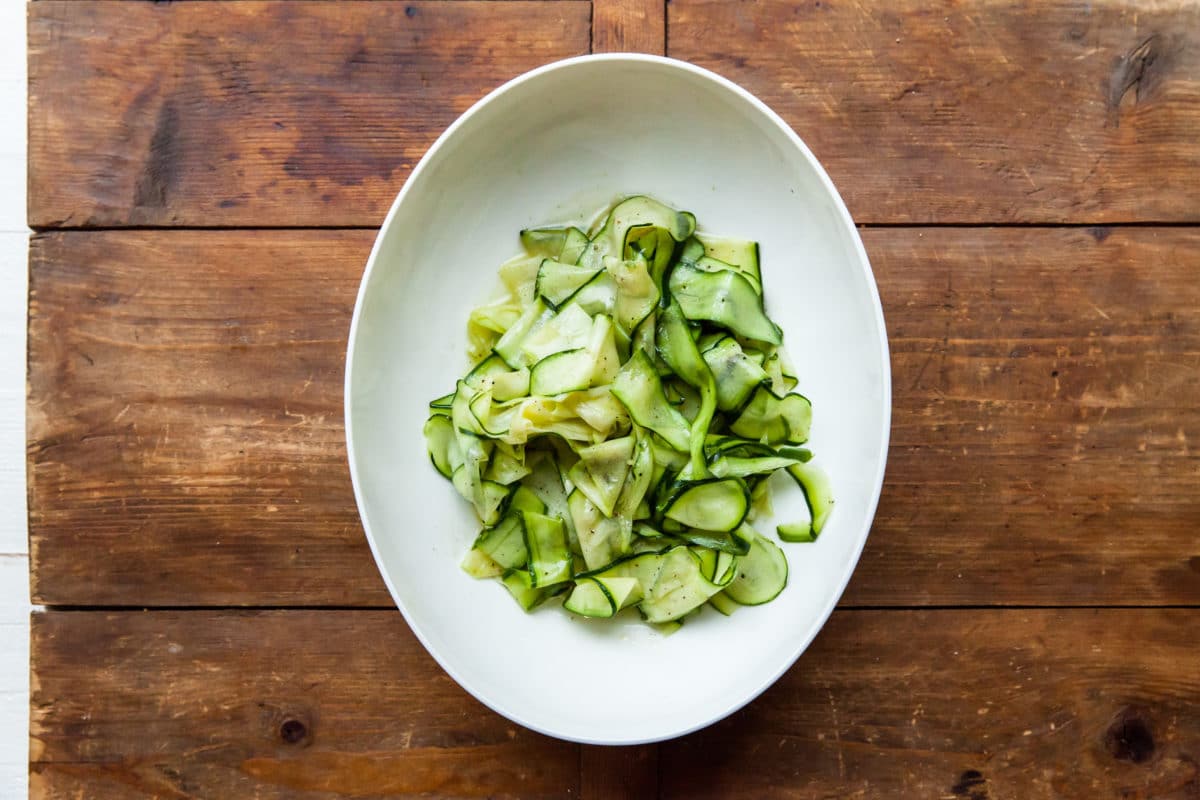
(186, 443)
(265, 705)
(260, 113)
(618, 773)
(970, 703)
(975, 112)
(971, 112)
(638, 26)
(1044, 422)
(966, 704)
(190, 384)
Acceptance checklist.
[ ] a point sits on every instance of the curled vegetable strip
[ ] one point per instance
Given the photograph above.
(629, 400)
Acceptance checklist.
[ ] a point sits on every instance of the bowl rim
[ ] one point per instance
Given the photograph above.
(885, 371)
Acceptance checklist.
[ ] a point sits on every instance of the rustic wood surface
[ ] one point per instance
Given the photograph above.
(1013, 111)
(261, 113)
(1045, 435)
(184, 417)
(1018, 110)
(933, 704)
(629, 26)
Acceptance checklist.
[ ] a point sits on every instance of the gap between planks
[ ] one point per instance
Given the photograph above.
(981, 225)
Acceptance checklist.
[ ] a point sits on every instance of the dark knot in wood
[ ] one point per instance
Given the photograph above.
(1129, 738)
(1141, 70)
(971, 785)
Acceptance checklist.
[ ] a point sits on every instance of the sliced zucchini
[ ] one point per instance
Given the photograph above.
(509, 345)
(735, 373)
(487, 496)
(818, 494)
(712, 505)
(590, 598)
(602, 345)
(679, 587)
(637, 385)
(734, 542)
(734, 467)
(558, 373)
(601, 539)
(549, 555)
(518, 275)
(721, 602)
(520, 586)
(557, 282)
(629, 401)
(493, 374)
(741, 253)
(504, 543)
(603, 597)
(504, 469)
(724, 298)
(546, 242)
(536, 416)
(497, 316)
(601, 470)
(569, 329)
(637, 482)
(439, 438)
(573, 246)
(692, 250)
(761, 574)
(710, 264)
(637, 293)
(677, 348)
(641, 211)
(441, 405)
(599, 409)
(476, 564)
(773, 419)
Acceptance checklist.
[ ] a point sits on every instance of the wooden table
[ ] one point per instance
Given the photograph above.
(205, 180)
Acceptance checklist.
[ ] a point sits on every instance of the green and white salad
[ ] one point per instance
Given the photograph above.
(629, 400)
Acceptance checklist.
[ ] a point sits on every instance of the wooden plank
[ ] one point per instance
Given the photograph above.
(1043, 418)
(613, 773)
(186, 447)
(267, 705)
(966, 704)
(962, 703)
(629, 26)
(978, 111)
(260, 113)
(190, 383)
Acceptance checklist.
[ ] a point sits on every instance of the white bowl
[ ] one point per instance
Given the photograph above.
(555, 145)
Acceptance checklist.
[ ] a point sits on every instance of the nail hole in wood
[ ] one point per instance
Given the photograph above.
(293, 731)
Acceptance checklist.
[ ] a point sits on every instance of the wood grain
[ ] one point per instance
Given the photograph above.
(1045, 424)
(629, 26)
(966, 704)
(268, 705)
(185, 439)
(1015, 111)
(954, 704)
(190, 384)
(614, 773)
(260, 113)
(1011, 111)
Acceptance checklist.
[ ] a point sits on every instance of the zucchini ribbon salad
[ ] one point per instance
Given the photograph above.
(629, 401)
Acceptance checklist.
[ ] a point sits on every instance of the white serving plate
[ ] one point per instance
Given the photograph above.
(556, 145)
